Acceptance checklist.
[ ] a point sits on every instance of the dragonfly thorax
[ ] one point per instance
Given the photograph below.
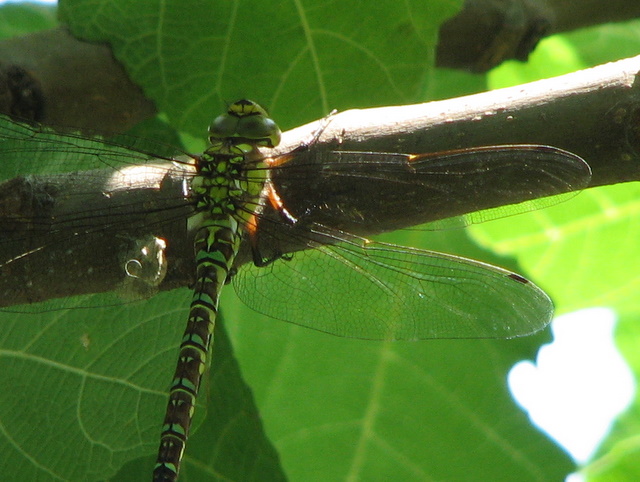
(222, 187)
(221, 184)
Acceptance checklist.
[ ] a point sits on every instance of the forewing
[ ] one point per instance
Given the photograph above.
(371, 192)
(71, 232)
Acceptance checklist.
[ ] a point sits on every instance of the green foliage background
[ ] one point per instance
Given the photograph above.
(88, 389)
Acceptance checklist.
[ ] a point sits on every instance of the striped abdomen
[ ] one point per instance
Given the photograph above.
(216, 246)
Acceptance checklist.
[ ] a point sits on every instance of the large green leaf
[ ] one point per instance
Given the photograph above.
(19, 19)
(299, 59)
(86, 390)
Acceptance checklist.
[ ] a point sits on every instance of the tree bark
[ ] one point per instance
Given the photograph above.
(593, 113)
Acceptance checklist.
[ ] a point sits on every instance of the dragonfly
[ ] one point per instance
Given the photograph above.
(287, 230)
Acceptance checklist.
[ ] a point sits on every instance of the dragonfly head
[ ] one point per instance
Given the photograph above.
(245, 121)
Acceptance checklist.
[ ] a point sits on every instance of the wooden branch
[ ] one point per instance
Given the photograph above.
(593, 113)
(53, 78)
(485, 33)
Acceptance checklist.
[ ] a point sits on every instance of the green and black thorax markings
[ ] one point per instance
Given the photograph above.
(226, 202)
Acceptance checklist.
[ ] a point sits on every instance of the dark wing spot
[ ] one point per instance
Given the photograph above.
(518, 278)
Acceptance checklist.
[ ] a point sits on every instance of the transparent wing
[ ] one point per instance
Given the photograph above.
(373, 290)
(372, 192)
(31, 149)
(77, 212)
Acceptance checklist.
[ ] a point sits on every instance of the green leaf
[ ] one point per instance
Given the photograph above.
(299, 60)
(101, 418)
(589, 225)
(114, 365)
(20, 19)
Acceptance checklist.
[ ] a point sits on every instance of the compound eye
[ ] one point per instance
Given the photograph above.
(224, 126)
(260, 128)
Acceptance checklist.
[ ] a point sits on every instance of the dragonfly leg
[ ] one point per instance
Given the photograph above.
(315, 135)
(271, 195)
(275, 200)
(313, 138)
(260, 261)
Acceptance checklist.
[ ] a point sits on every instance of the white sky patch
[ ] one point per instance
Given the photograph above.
(578, 384)
(50, 2)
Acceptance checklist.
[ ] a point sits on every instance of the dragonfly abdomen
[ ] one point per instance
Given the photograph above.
(216, 246)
